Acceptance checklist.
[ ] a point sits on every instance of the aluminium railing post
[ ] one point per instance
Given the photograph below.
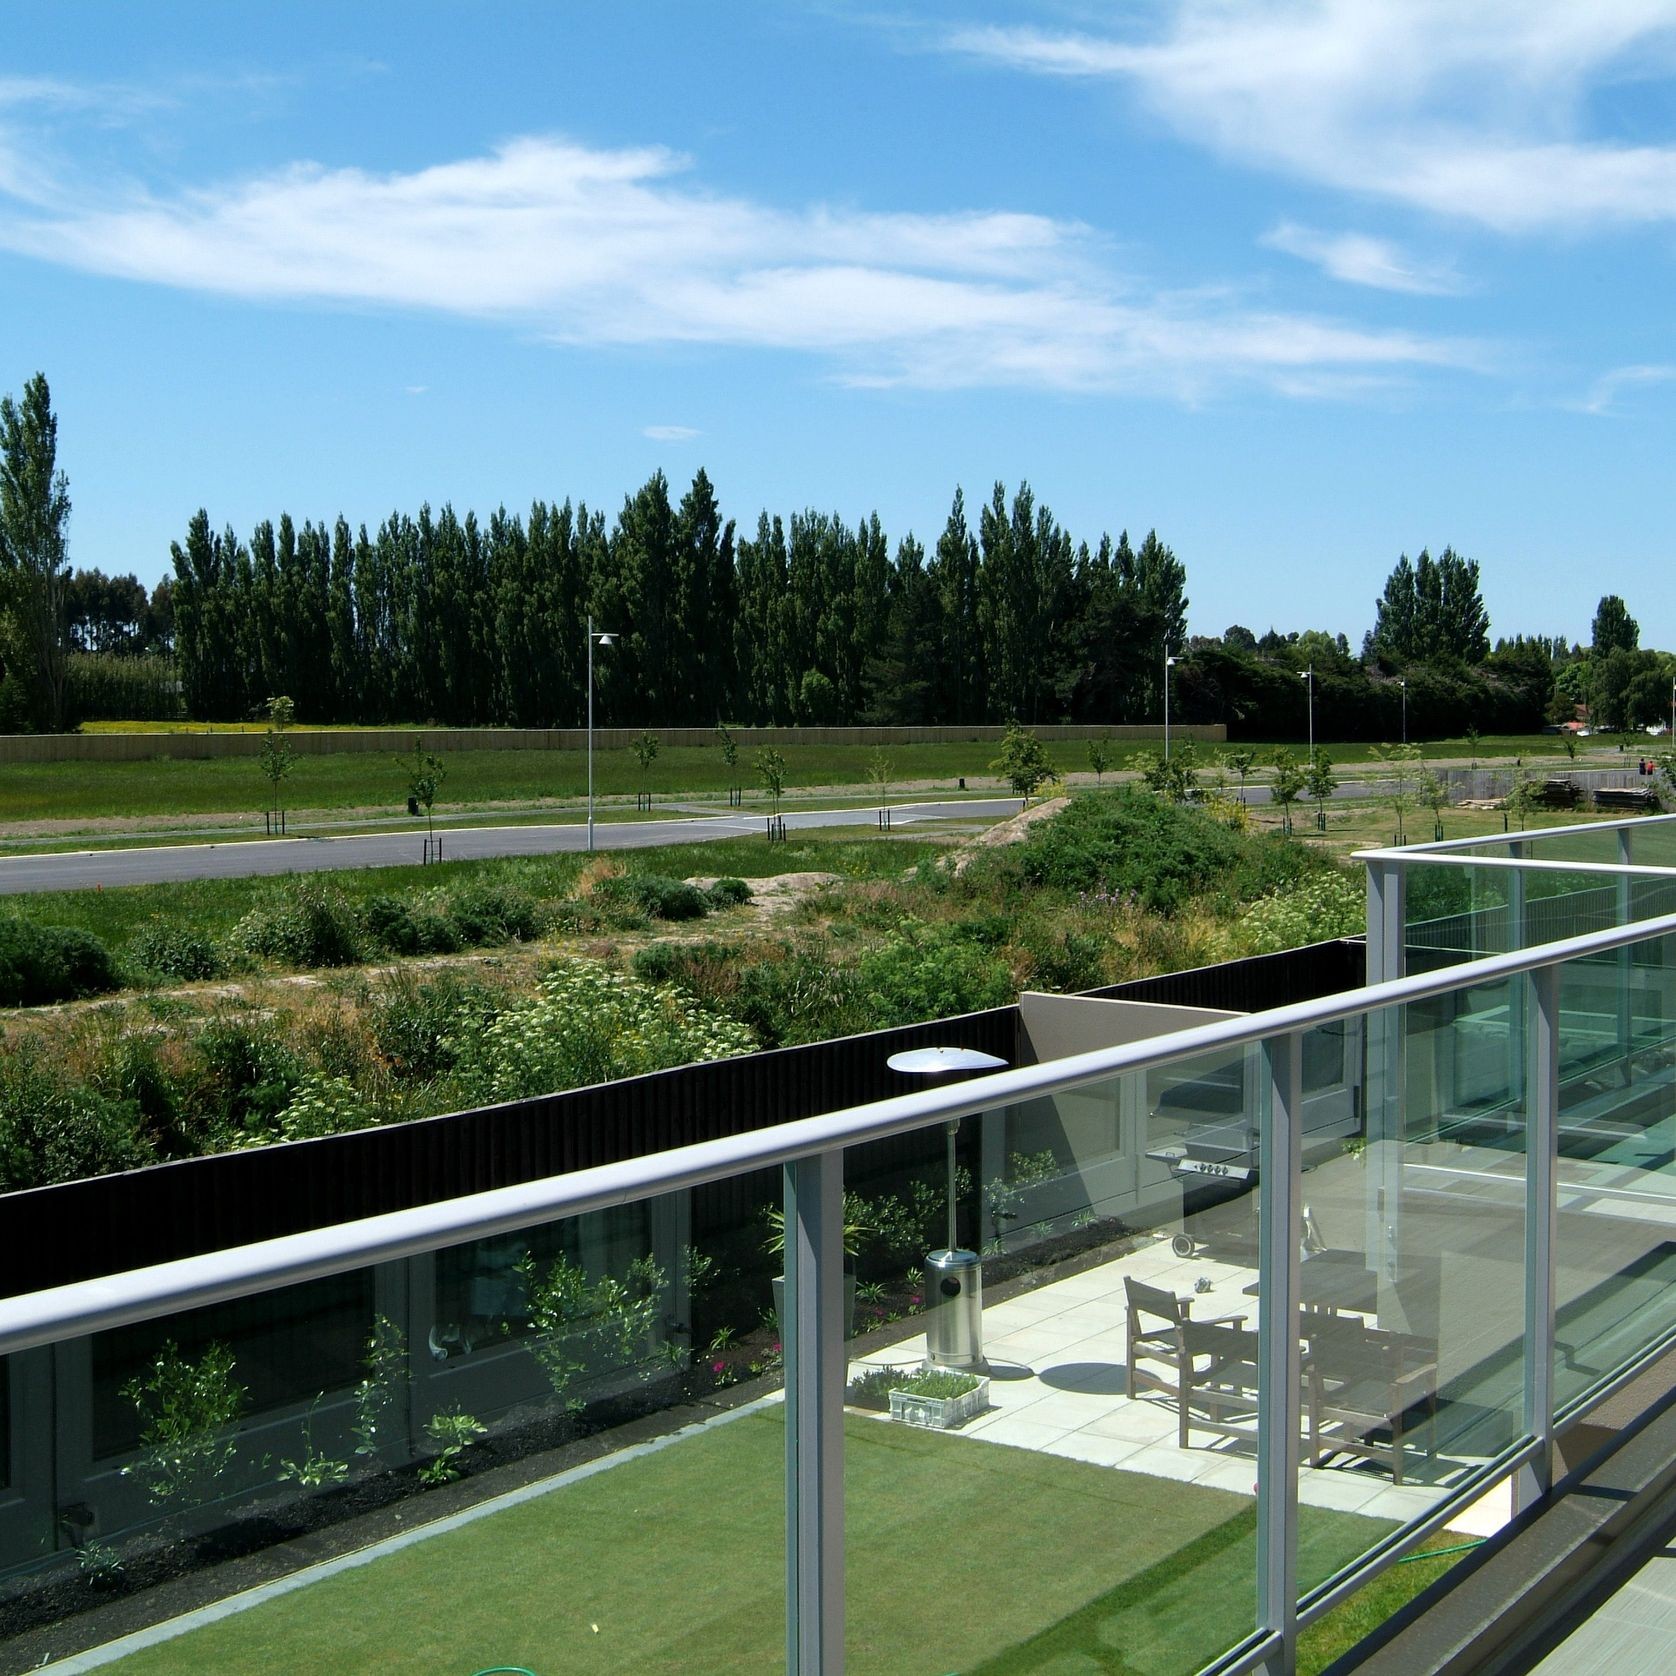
(1383, 1104)
(1280, 1375)
(812, 1338)
(1541, 1217)
(1518, 934)
(1625, 906)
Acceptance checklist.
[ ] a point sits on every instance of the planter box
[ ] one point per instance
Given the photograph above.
(939, 1413)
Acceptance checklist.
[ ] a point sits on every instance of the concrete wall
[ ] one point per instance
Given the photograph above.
(143, 747)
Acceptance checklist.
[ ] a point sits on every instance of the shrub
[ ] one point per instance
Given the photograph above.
(1157, 854)
(53, 1132)
(490, 913)
(41, 964)
(589, 1024)
(801, 997)
(311, 926)
(1329, 903)
(245, 1075)
(921, 974)
(728, 893)
(413, 1023)
(162, 950)
(322, 1105)
(390, 924)
(654, 894)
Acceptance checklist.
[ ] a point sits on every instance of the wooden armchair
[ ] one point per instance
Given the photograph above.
(1155, 1320)
(1367, 1384)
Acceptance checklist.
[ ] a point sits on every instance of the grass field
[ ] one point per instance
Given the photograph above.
(69, 791)
(212, 907)
(960, 1556)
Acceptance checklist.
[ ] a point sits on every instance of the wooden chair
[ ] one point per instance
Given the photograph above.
(1156, 1320)
(1367, 1383)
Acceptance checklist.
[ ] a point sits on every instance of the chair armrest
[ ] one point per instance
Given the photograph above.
(1219, 1320)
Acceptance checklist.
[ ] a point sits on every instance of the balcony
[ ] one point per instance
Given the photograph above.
(1407, 1234)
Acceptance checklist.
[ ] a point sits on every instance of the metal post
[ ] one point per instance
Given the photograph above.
(1279, 1387)
(1168, 660)
(1383, 1107)
(1541, 1229)
(590, 733)
(1625, 905)
(1518, 937)
(813, 1340)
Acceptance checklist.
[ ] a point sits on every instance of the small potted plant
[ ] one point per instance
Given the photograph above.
(854, 1233)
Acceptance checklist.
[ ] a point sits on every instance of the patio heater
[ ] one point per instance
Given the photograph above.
(953, 1276)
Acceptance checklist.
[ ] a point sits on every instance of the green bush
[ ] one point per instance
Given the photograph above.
(1133, 848)
(655, 895)
(590, 1024)
(728, 893)
(244, 1075)
(390, 925)
(414, 1024)
(160, 949)
(920, 973)
(800, 997)
(310, 925)
(488, 913)
(41, 964)
(51, 1131)
(1326, 904)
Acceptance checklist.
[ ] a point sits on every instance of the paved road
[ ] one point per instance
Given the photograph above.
(87, 870)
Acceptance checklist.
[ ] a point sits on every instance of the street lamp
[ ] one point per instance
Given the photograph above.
(1169, 664)
(1404, 686)
(1673, 715)
(1309, 676)
(593, 640)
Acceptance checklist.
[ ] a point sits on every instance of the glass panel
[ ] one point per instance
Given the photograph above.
(1118, 1210)
(1615, 1263)
(1412, 1274)
(1456, 914)
(354, 1411)
(1653, 842)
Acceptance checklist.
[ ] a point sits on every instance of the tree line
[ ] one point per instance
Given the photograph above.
(811, 619)
(807, 619)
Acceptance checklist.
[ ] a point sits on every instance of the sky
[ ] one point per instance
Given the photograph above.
(1303, 286)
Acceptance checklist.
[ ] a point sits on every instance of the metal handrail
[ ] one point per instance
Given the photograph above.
(38, 1318)
(1524, 863)
(1533, 835)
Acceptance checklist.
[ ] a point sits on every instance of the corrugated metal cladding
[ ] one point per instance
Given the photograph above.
(77, 1230)
(1256, 983)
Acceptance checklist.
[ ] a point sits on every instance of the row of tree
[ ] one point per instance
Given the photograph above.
(811, 619)
(808, 619)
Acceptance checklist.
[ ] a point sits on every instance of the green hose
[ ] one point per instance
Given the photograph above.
(1438, 1553)
(505, 1670)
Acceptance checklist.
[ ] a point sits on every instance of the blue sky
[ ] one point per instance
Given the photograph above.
(1301, 285)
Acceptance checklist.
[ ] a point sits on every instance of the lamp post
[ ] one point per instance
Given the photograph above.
(1404, 686)
(1308, 675)
(1169, 664)
(1673, 715)
(593, 640)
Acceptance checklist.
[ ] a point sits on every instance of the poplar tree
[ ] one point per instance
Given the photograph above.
(34, 552)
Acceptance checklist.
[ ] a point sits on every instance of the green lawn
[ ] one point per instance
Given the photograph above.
(961, 1556)
(378, 780)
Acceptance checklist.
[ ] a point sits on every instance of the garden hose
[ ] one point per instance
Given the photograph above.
(505, 1670)
(1438, 1553)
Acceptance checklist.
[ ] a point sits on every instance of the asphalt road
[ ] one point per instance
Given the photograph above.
(91, 869)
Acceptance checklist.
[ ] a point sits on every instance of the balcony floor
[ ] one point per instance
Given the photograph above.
(1057, 1379)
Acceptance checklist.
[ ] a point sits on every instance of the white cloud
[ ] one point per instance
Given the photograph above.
(416, 389)
(595, 247)
(671, 433)
(1479, 111)
(1601, 399)
(1360, 259)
